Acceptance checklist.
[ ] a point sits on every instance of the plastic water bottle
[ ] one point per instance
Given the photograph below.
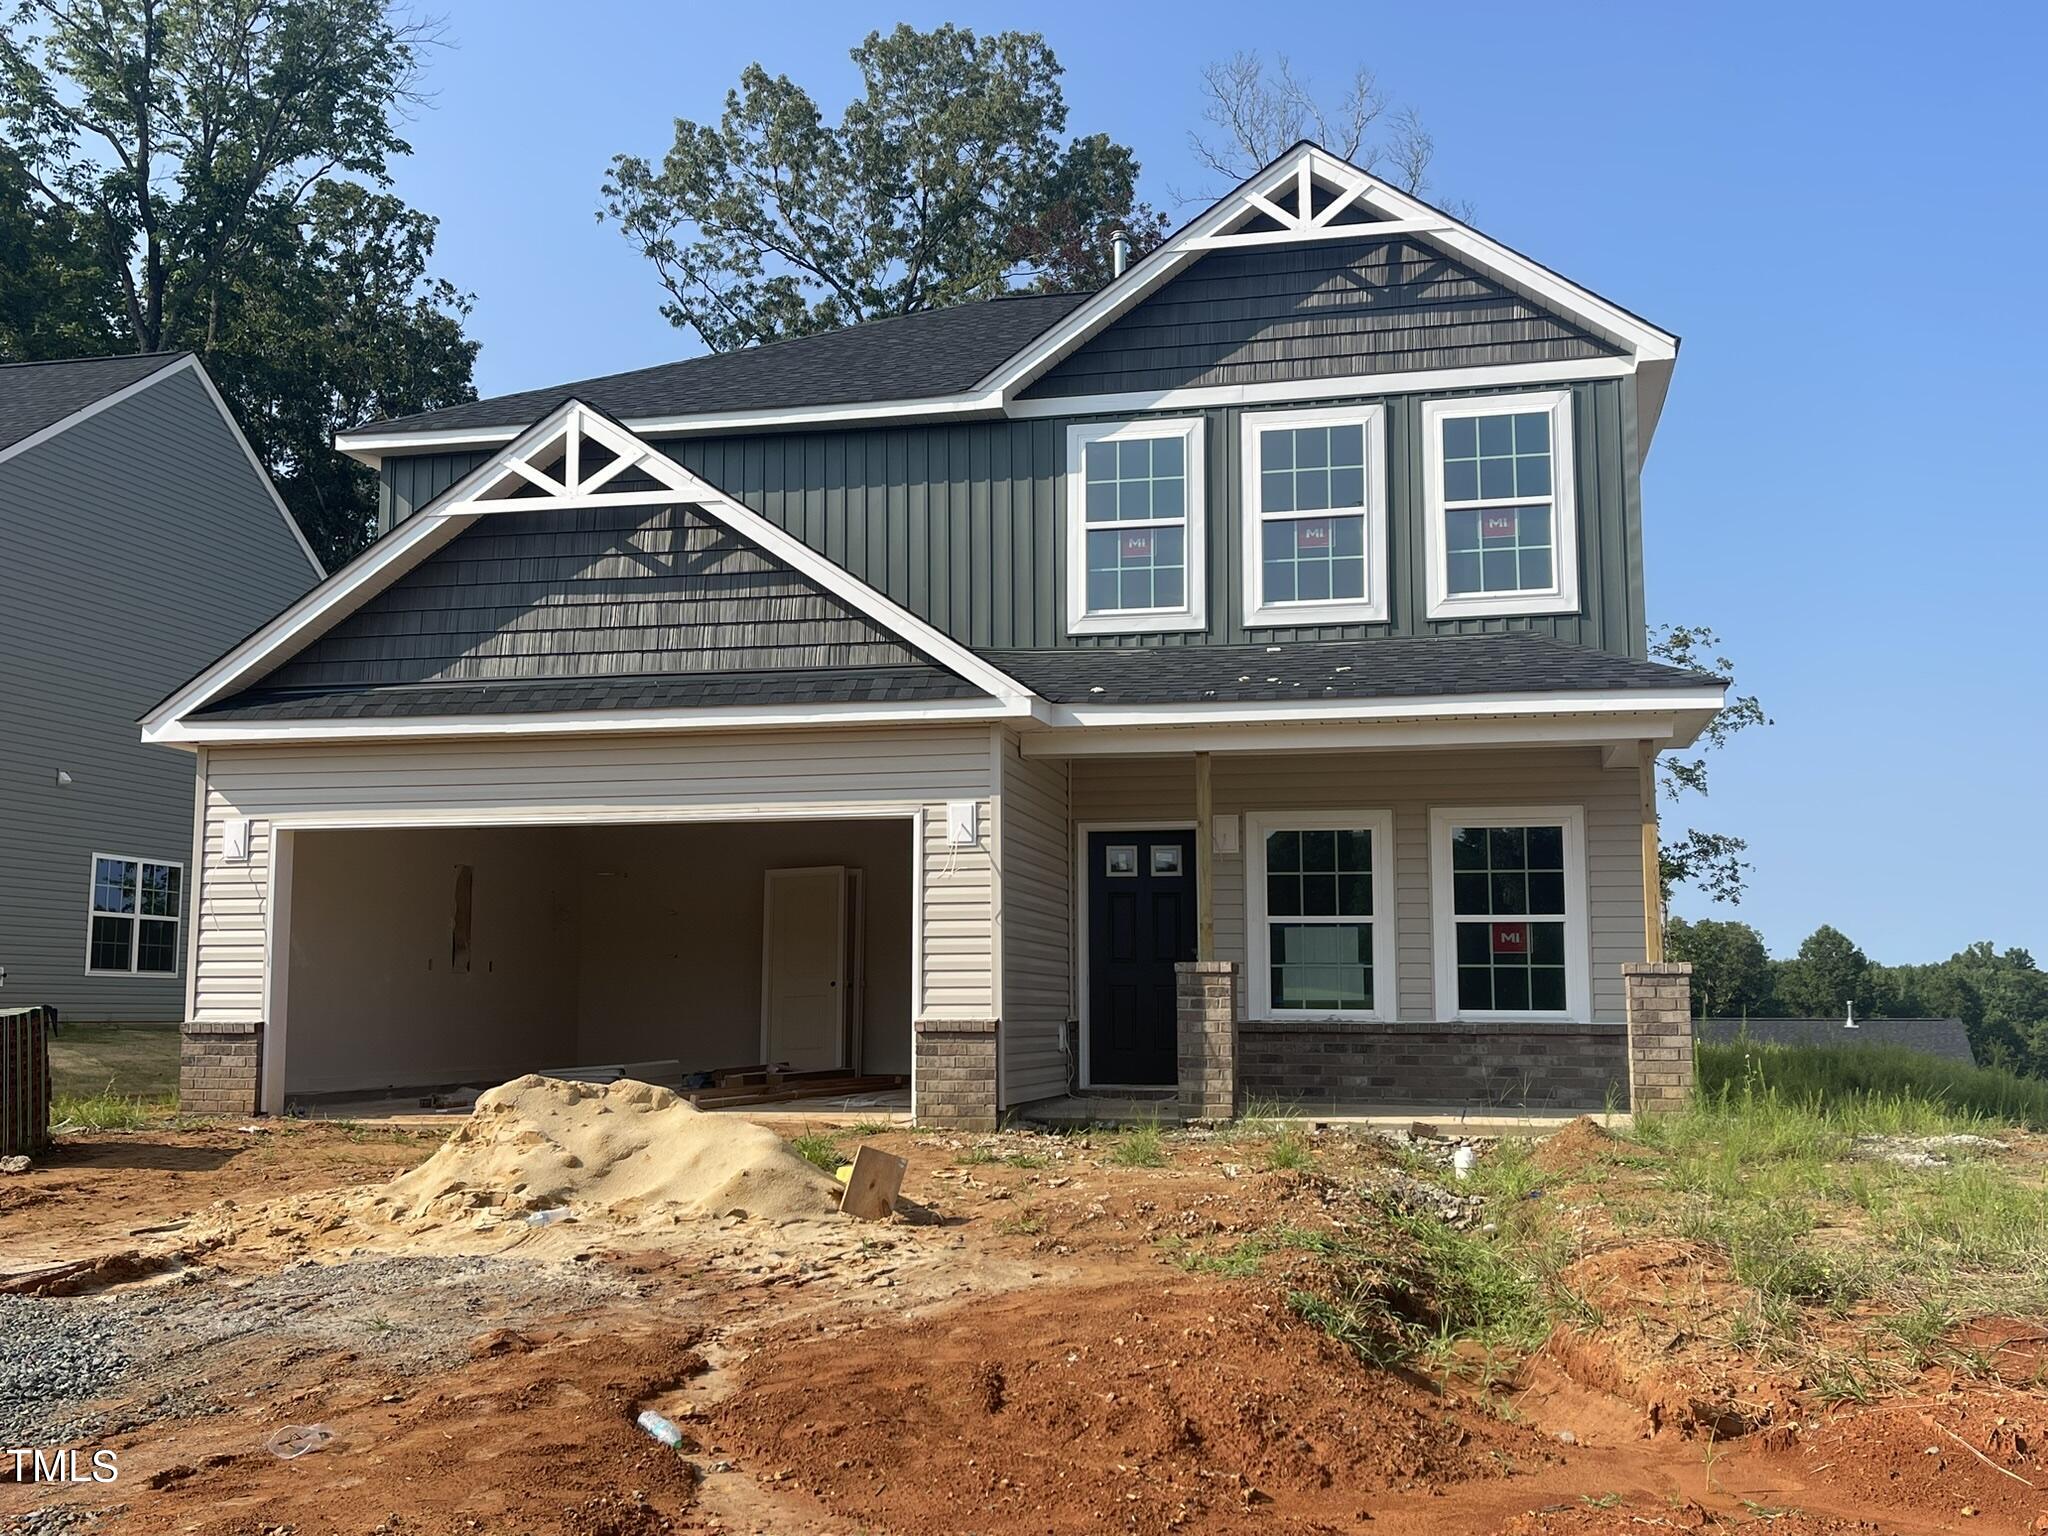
(1462, 1161)
(661, 1428)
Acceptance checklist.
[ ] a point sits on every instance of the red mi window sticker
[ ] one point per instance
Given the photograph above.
(1497, 525)
(1137, 546)
(1511, 938)
(1312, 534)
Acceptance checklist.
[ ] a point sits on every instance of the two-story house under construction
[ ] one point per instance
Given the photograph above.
(1230, 684)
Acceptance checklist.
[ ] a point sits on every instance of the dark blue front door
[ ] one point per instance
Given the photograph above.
(1141, 920)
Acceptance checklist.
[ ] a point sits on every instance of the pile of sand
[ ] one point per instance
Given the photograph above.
(623, 1153)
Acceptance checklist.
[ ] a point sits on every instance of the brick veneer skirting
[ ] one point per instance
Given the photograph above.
(1659, 1034)
(218, 1068)
(1546, 1068)
(1205, 1026)
(955, 1086)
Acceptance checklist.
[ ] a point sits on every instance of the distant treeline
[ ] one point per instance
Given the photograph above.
(2000, 995)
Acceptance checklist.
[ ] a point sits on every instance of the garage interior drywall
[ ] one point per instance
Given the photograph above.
(587, 945)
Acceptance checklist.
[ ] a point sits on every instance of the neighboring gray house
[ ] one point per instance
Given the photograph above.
(1231, 683)
(1948, 1039)
(138, 537)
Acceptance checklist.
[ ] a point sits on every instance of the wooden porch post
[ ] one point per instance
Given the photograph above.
(1653, 881)
(1205, 884)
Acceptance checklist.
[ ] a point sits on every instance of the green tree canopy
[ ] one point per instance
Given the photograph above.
(1827, 974)
(944, 180)
(216, 166)
(1712, 862)
(1731, 969)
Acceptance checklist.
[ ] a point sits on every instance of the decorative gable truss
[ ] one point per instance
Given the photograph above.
(574, 459)
(1309, 195)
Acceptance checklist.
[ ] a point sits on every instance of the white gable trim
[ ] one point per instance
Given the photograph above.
(1647, 346)
(1216, 229)
(480, 494)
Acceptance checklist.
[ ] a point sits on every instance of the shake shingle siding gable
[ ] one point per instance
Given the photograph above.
(1310, 312)
(627, 595)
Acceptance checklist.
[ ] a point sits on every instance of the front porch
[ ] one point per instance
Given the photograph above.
(1383, 989)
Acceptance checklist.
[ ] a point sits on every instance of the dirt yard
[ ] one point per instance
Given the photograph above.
(1252, 1329)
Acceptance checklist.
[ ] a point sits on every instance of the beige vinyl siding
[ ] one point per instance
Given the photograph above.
(783, 775)
(1409, 784)
(1034, 854)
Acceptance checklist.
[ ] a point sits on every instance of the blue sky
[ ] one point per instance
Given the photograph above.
(1840, 208)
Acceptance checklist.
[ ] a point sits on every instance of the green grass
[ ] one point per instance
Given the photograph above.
(1142, 1146)
(109, 1111)
(820, 1148)
(131, 1061)
(1289, 1151)
(1857, 1082)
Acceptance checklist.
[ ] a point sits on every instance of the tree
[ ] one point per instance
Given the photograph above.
(1256, 113)
(188, 152)
(1710, 861)
(1731, 970)
(332, 320)
(1827, 975)
(55, 301)
(943, 181)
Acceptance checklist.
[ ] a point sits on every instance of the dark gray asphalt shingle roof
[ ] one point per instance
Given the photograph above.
(875, 685)
(1948, 1039)
(907, 357)
(36, 395)
(1394, 666)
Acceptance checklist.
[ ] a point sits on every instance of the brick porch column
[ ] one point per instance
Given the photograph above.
(1205, 1015)
(218, 1065)
(1659, 1034)
(955, 1086)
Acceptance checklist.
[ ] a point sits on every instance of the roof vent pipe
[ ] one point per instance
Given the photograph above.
(1119, 253)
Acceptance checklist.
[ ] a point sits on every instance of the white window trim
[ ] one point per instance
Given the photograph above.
(1562, 596)
(1191, 615)
(134, 919)
(1385, 982)
(1372, 608)
(1578, 965)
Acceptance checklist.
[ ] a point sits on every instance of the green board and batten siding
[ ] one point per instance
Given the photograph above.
(962, 523)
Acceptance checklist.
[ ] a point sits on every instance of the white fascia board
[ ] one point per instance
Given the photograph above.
(459, 507)
(792, 551)
(1657, 731)
(189, 733)
(1441, 707)
(370, 447)
(1350, 386)
(311, 616)
(348, 589)
(86, 412)
(997, 391)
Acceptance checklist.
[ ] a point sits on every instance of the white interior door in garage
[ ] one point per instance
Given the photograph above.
(803, 968)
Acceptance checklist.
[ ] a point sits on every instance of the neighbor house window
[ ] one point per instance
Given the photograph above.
(1135, 535)
(136, 908)
(1510, 913)
(1321, 924)
(1314, 521)
(1500, 524)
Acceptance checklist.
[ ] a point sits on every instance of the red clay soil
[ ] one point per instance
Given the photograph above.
(536, 1436)
(1571, 1150)
(1140, 1407)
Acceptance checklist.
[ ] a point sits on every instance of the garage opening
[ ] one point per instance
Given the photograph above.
(733, 960)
